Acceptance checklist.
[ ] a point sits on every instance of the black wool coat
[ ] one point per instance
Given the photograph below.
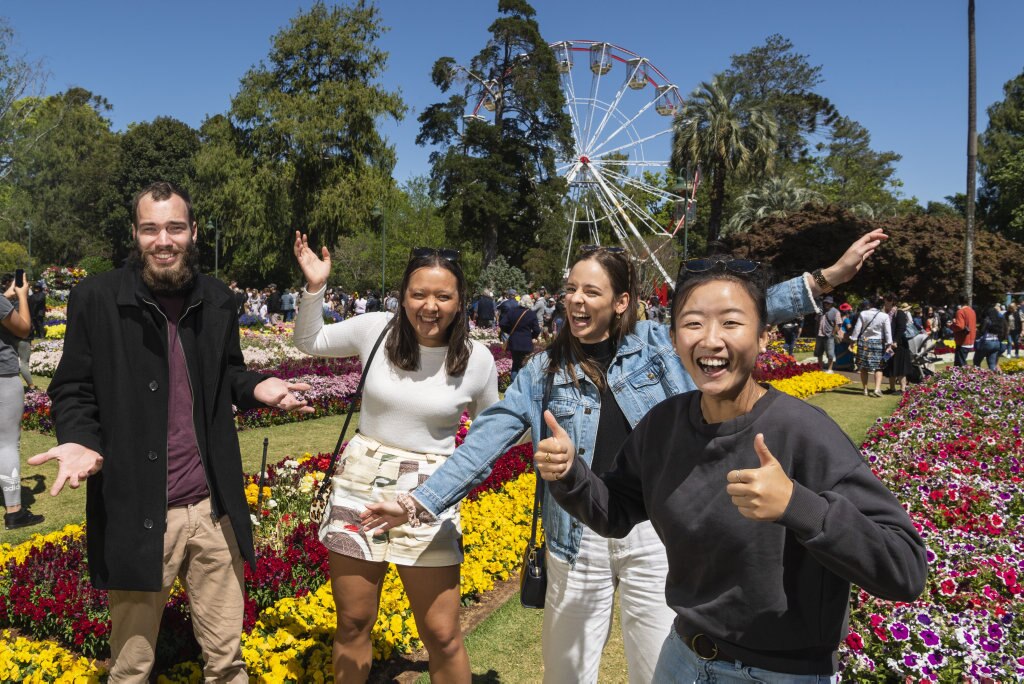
(110, 394)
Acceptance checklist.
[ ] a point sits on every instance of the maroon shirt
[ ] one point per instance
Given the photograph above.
(186, 479)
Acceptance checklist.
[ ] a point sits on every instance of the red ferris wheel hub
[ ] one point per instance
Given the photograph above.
(584, 159)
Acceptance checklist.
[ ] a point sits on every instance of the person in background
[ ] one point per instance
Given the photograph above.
(790, 332)
(15, 326)
(522, 328)
(1014, 325)
(485, 310)
(903, 330)
(845, 359)
(288, 305)
(991, 330)
(965, 329)
(23, 345)
(873, 336)
(829, 321)
(37, 309)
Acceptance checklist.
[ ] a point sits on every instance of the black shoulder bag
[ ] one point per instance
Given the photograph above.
(533, 577)
(318, 507)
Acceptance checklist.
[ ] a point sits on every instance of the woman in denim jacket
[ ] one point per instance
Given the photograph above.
(633, 363)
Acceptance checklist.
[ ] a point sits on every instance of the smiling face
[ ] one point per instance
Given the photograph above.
(591, 302)
(718, 334)
(431, 302)
(165, 242)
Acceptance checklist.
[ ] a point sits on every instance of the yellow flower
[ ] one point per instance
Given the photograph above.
(803, 386)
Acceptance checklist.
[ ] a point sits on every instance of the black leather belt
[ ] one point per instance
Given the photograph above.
(704, 647)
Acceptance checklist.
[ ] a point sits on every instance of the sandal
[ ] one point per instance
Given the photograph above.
(865, 391)
(876, 393)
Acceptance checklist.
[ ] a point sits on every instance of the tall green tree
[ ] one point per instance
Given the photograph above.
(783, 82)
(304, 127)
(774, 197)
(496, 178)
(851, 174)
(1000, 163)
(62, 176)
(727, 137)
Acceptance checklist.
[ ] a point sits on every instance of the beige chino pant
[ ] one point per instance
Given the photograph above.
(203, 554)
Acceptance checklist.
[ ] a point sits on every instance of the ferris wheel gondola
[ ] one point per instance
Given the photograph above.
(619, 185)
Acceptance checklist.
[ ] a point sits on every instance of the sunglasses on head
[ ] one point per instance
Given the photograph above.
(731, 265)
(587, 249)
(443, 252)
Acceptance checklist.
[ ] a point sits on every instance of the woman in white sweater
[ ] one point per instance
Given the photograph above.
(425, 375)
(873, 335)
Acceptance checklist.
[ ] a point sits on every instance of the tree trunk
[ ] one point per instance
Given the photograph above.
(717, 201)
(972, 154)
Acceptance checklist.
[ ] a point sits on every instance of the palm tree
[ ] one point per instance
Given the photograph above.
(724, 135)
(972, 154)
(775, 197)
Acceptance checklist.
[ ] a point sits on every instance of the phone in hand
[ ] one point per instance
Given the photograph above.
(19, 277)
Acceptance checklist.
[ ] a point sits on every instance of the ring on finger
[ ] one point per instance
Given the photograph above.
(547, 457)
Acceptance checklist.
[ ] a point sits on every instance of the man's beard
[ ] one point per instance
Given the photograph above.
(167, 281)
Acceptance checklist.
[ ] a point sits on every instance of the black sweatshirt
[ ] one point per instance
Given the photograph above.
(774, 595)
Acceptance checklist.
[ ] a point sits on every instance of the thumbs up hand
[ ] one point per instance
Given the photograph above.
(554, 455)
(761, 493)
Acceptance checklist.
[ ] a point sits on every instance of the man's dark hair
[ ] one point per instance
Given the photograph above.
(160, 191)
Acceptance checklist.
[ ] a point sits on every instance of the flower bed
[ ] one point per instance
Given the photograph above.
(1015, 365)
(953, 454)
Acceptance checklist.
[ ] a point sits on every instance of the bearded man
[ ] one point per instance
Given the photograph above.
(142, 402)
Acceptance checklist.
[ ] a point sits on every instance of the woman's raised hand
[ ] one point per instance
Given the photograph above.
(315, 268)
(853, 259)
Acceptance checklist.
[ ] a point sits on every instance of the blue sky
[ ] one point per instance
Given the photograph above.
(897, 66)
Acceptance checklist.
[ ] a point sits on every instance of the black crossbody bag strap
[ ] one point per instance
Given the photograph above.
(538, 494)
(352, 405)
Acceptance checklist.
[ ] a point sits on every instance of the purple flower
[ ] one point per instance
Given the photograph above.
(900, 632)
(910, 660)
(929, 638)
(923, 618)
(995, 632)
(935, 658)
(988, 645)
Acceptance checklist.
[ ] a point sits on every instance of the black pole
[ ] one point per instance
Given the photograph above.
(263, 470)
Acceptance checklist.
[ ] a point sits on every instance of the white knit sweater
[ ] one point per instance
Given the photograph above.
(414, 410)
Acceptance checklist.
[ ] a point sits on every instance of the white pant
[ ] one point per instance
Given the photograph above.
(579, 602)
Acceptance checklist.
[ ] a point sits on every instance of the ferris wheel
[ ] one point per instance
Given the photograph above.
(619, 187)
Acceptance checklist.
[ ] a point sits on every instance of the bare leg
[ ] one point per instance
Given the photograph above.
(434, 597)
(356, 585)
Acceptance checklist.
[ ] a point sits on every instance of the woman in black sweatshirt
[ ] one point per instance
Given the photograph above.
(765, 506)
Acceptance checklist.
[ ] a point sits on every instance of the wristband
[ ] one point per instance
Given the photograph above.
(406, 502)
(819, 278)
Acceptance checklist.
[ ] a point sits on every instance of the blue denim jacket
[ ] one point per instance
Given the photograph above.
(644, 372)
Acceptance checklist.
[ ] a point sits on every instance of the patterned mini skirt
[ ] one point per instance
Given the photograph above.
(869, 354)
(369, 471)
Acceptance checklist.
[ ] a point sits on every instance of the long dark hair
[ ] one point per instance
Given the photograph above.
(402, 347)
(565, 351)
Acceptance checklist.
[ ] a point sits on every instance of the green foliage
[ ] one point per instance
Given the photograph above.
(500, 277)
(496, 181)
(922, 261)
(21, 92)
(726, 136)
(300, 147)
(853, 175)
(774, 197)
(13, 255)
(66, 158)
(1001, 163)
(96, 264)
(782, 82)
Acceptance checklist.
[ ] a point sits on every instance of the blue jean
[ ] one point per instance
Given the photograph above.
(987, 350)
(677, 664)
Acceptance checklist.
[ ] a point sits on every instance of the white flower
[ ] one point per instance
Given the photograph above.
(271, 503)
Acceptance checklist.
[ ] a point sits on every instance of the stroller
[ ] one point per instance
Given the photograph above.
(922, 361)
